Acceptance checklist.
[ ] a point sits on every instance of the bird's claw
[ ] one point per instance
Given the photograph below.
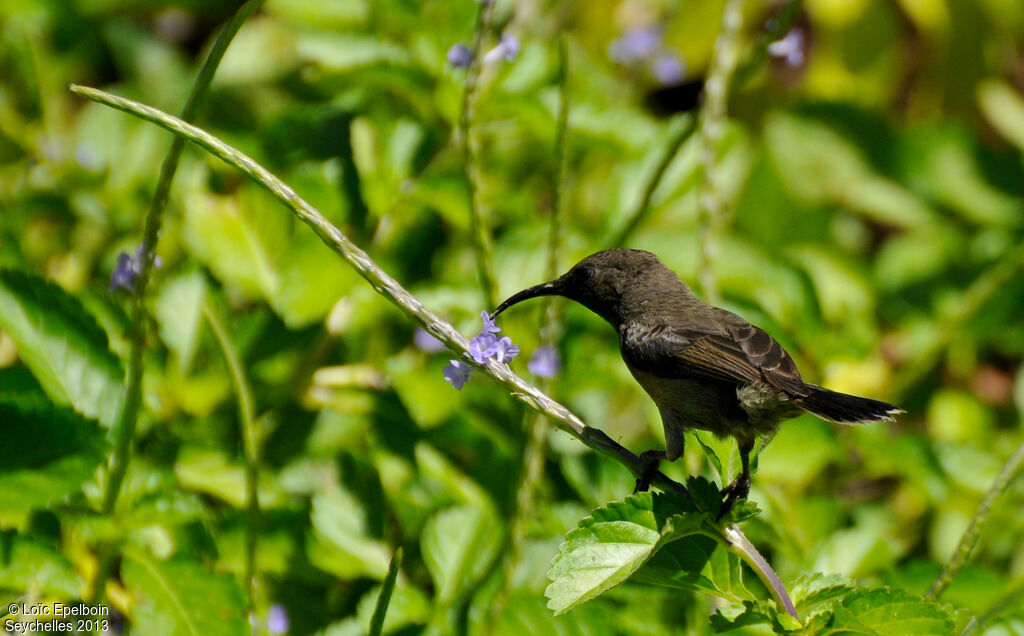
(738, 489)
(649, 462)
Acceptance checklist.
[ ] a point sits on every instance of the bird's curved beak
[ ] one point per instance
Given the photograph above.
(553, 288)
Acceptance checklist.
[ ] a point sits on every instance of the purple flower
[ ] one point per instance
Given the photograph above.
(457, 373)
(426, 342)
(489, 325)
(129, 268)
(277, 620)
(459, 56)
(504, 350)
(545, 362)
(789, 49)
(636, 45)
(482, 346)
(507, 47)
(668, 69)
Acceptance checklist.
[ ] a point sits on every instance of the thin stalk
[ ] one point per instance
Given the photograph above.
(713, 212)
(384, 600)
(534, 454)
(962, 554)
(680, 129)
(124, 428)
(388, 287)
(247, 419)
(470, 144)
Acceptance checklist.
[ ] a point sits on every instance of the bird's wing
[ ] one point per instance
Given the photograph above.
(740, 353)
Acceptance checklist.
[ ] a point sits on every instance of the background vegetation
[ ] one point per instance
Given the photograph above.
(871, 219)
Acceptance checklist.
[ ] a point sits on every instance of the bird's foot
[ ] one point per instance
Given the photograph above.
(738, 489)
(649, 462)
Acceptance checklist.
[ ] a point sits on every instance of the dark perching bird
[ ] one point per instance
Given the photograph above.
(705, 368)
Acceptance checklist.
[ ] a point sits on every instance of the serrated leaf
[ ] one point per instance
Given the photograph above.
(892, 611)
(751, 613)
(458, 545)
(180, 598)
(62, 344)
(47, 454)
(813, 589)
(617, 540)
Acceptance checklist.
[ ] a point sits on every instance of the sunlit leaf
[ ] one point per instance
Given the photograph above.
(458, 545)
(62, 345)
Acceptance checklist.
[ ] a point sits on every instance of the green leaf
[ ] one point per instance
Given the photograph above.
(179, 313)
(46, 455)
(26, 564)
(62, 345)
(340, 543)
(458, 545)
(617, 540)
(180, 598)
(1004, 109)
(892, 611)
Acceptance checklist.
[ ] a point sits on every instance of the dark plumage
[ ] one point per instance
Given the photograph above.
(704, 367)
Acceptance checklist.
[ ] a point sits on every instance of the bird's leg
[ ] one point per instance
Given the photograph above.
(740, 487)
(649, 462)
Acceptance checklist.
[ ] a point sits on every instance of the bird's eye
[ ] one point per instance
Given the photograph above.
(585, 274)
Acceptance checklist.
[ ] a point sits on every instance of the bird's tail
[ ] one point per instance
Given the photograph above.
(846, 409)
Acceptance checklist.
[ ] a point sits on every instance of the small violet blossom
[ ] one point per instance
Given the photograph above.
(489, 325)
(277, 620)
(668, 69)
(457, 373)
(545, 362)
(504, 350)
(129, 268)
(459, 56)
(507, 48)
(484, 345)
(636, 45)
(790, 49)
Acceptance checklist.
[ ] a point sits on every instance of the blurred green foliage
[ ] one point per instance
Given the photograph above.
(876, 224)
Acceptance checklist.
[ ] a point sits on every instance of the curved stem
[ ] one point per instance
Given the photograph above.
(124, 429)
(741, 545)
(466, 137)
(246, 413)
(1011, 470)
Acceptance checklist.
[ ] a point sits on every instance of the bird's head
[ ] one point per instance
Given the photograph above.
(607, 283)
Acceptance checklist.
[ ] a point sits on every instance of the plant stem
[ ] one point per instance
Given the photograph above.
(712, 205)
(741, 545)
(124, 428)
(1011, 470)
(680, 129)
(388, 287)
(381, 609)
(470, 144)
(246, 413)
